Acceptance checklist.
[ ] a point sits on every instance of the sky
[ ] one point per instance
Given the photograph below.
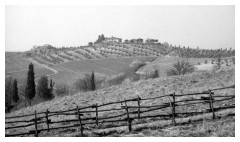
(209, 27)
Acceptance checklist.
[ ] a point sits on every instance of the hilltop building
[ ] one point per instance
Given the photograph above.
(113, 39)
(151, 41)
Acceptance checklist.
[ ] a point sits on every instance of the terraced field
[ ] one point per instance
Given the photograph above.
(16, 66)
(67, 71)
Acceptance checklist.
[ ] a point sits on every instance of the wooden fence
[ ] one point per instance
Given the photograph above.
(126, 117)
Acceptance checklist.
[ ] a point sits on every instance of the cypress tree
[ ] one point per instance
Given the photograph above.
(8, 93)
(30, 86)
(51, 89)
(15, 91)
(92, 81)
(51, 86)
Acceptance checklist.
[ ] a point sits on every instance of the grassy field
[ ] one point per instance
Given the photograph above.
(16, 66)
(197, 82)
(69, 72)
(163, 64)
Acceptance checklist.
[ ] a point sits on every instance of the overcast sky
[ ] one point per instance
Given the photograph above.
(209, 27)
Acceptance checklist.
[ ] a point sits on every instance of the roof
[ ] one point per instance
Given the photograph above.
(112, 38)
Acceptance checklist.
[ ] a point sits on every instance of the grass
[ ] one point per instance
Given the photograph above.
(163, 64)
(17, 64)
(106, 67)
(21, 76)
(196, 82)
(194, 126)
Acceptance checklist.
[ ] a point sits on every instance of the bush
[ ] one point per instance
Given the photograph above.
(205, 61)
(62, 89)
(116, 80)
(181, 68)
(43, 91)
(233, 60)
(152, 74)
(83, 84)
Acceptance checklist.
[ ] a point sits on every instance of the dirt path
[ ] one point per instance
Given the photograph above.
(71, 71)
(208, 67)
(44, 66)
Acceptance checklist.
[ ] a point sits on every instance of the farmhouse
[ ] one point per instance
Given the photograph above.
(112, 39)
(150, 41)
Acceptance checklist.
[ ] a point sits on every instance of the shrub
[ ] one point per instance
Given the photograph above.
(83, 84)
(116, 80)
(152, 74)
(181, 68)
(62, 89)
(205, 61)
(43, 91)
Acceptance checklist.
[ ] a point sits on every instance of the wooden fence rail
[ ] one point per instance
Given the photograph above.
(45, 117)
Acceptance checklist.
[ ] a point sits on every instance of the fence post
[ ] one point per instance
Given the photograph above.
(96, 114)
(173, 109)
(128, 119)
(80, 121)
(139, 108)
(211, 104)
(47, 119)
(35, 120)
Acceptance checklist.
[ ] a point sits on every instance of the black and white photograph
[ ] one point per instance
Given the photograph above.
(119, 71)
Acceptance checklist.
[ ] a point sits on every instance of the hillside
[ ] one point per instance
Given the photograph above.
(196, 82)
(48, 54)
(66, 65)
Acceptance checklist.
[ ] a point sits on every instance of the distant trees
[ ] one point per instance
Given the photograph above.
(90, 44)
(30, 86)
(166, 44)
(139, 40)
(43, 91)
(233, 60)
(100, 39)
(226, 61)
